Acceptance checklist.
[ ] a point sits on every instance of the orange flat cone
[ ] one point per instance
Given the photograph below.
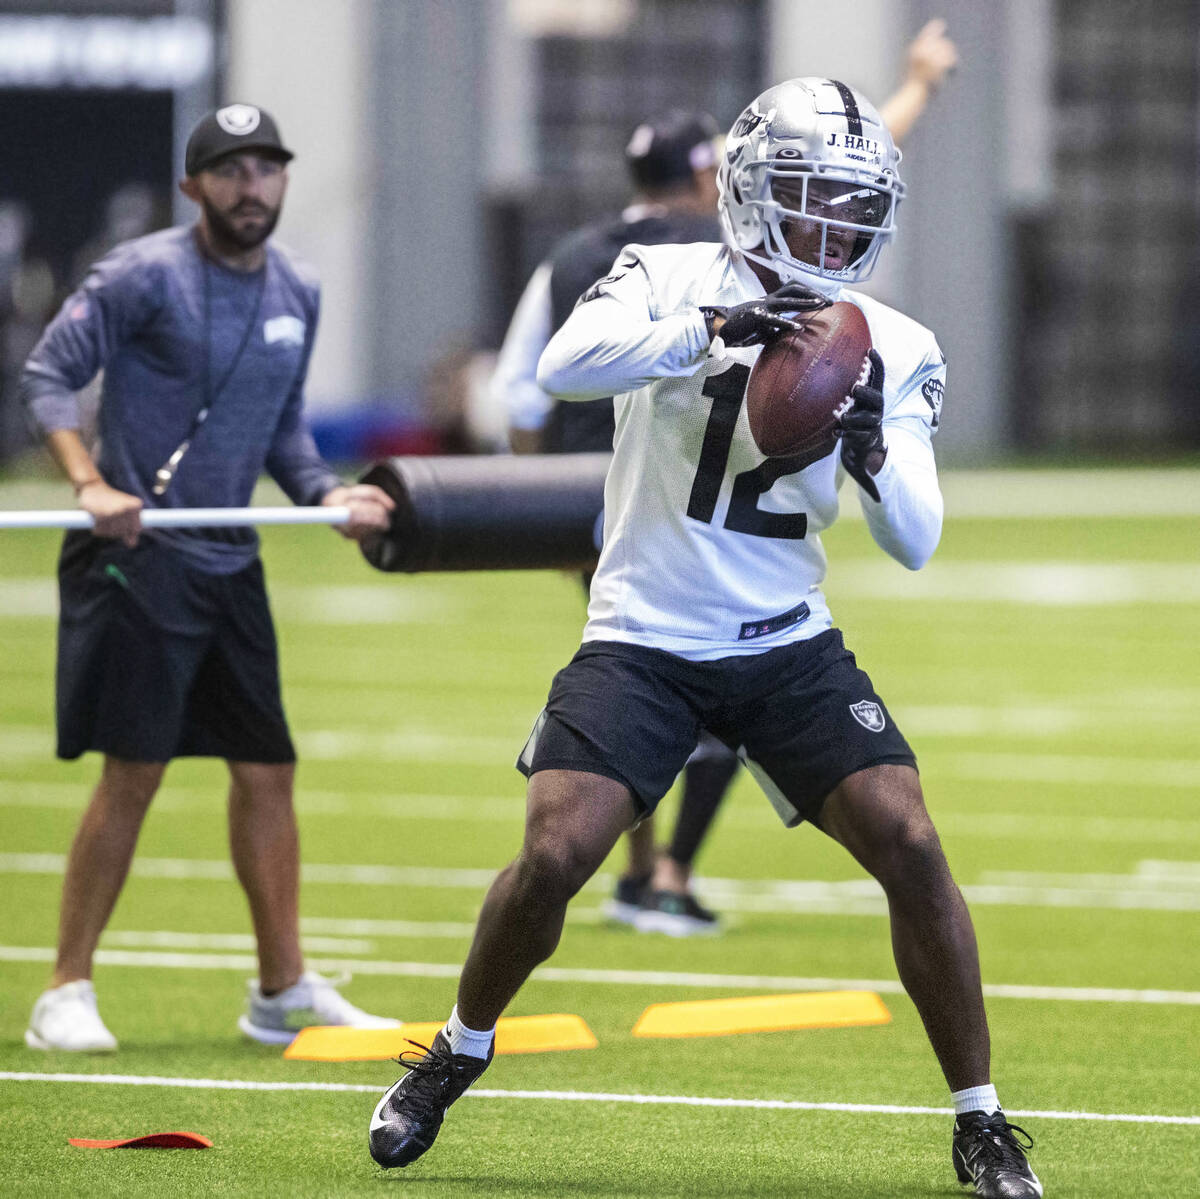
(761, 1013)
(514, 1034)
(151, 1140)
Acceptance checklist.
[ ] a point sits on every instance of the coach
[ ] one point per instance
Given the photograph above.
(166, 646)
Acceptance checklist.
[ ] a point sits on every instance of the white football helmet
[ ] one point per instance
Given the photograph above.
(810, 156)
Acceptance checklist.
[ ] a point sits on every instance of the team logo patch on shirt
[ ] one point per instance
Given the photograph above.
(934, 391)
(869, 714)
(238, 119)
(287, 329)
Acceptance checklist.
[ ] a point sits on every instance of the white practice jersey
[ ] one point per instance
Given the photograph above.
(711, 548)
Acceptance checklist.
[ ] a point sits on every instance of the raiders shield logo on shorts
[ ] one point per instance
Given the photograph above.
(869, 714)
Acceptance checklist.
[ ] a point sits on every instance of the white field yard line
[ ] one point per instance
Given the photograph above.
(1022, 582)
(162, 939)
(409, 806)
(35, 743)
(787, 1105)
(162, 960)
(1150, 889)
(22, 598)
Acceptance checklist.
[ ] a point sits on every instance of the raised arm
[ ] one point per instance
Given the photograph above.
(931, 57)
(111, 304)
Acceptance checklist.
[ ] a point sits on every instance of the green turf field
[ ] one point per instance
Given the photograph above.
(1045, 665)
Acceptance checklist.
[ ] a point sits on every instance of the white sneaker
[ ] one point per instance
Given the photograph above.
(66, 1017)
(314, 1000)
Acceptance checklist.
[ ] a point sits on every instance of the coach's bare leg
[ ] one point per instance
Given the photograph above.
(572, 821)
(99, 861)
(879, 816)
(265, 845)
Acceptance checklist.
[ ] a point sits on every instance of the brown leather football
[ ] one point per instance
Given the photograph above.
(801, 382)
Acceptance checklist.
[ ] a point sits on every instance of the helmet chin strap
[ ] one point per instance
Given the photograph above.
(788, 272)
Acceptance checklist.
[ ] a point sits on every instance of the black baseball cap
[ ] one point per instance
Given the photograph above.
(669, 149)
(229, 130)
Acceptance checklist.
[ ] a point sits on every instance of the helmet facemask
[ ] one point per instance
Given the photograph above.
(825, 221)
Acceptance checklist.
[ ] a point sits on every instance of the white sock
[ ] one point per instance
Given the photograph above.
(467, 1040)
(976, 1099)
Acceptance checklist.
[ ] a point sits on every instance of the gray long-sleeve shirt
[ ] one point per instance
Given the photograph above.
(166, 323)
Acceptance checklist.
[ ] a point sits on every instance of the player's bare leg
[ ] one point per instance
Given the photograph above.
(879, 816)
(572, 822)
(99, 861)
(265, 846)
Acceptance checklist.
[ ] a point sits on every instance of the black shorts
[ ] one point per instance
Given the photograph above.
(157, 660)
(803, 717)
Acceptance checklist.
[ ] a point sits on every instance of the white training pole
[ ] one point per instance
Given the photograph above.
(188, 518)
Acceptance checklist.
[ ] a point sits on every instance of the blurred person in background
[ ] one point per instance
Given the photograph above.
(166, 646)
(672, 163)
(707, 609)
(132, 210)
(14, 224)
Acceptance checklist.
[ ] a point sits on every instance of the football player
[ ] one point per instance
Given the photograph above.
(707, 608)
(672, 162)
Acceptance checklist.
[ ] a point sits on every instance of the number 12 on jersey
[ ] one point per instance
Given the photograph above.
(727, 391)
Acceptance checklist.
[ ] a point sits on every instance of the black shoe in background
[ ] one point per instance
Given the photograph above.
(627, 898)
(675, 913)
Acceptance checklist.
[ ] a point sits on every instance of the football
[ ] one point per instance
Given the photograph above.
(801, 383)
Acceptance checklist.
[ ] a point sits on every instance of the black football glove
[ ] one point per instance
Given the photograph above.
(758, 321)
(861, 429)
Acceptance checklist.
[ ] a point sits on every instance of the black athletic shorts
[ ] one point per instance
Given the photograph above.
(802, 716)
(157, 660)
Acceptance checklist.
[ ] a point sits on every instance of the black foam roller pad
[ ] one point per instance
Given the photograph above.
(519, 512)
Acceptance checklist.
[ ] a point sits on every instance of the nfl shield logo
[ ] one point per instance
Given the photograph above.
(869, 714)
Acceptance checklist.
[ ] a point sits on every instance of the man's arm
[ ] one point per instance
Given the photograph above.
(112, 303)
(612, 342)
(514, 387)
(931, 57)
(891, 458)
(114, 513)
(294, 462)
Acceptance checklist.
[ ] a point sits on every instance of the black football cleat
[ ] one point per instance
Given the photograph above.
(988, 1156)
(676, 914)
(407, 1119)
(626, 900)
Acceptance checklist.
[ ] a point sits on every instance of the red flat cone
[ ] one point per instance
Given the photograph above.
(152, 1140)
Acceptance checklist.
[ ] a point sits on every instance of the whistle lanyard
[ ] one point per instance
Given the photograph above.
(166, 472)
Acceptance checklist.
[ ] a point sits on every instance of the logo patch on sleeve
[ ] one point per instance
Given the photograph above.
(934, 391)
(869, 714)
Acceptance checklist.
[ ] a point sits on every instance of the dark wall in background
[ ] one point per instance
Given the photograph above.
(63, 153)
